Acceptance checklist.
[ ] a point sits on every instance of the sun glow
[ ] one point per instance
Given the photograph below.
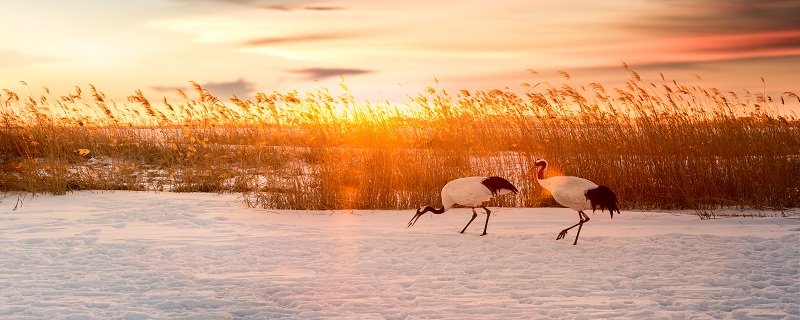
(89, 52)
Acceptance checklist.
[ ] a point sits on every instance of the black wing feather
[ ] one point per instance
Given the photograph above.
(495, 184)
(602, 198)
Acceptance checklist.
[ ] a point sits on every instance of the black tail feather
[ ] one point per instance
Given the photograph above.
(602, 198)
(495, 184)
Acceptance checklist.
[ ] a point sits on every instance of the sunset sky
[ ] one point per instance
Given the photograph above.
(388, 49)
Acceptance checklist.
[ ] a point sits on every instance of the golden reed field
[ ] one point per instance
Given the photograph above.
(657, 145)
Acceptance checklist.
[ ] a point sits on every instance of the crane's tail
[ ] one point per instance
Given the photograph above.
(498, 185)
(603, 198)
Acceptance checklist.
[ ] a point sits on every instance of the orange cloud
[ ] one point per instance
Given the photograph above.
(324, 73)
(717, 47)
(294, 39)
(17, 59)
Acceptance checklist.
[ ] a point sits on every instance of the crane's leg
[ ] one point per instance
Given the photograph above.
(474, 214)
(580, 225)
(487, 220)
(584, 218)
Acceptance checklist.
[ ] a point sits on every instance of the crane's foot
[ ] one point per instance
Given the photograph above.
(483, 234)
(563, 233)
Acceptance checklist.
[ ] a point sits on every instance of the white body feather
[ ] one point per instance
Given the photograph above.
(575, 193)
(569, 191)
(469, 192)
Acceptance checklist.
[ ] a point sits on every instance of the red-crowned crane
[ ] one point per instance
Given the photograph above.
(470, 192)
(578, 194)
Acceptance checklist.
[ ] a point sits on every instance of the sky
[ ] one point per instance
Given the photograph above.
(386, 50)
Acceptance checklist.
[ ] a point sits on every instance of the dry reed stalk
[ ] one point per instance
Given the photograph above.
(664, 145)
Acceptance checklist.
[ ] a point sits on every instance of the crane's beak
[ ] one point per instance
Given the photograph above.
(415, 218)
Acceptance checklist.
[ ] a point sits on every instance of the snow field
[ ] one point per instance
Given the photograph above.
(129, 255)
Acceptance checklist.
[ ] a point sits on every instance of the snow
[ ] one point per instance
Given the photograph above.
(139, 255)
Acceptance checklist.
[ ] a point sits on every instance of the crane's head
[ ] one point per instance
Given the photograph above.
(541, 164)
(422, 210)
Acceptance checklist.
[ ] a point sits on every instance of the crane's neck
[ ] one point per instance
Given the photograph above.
(540, 173)
(433, 210)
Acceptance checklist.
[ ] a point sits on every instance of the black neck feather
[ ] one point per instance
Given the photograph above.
(542, 166)
(433, 210)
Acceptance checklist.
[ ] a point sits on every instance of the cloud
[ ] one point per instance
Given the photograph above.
(241, 88)
(788, 42)
(324, 73)
(719, 16)
(167, 88)
(320, 8)
(283, 7)
(244, 2)
(714, 30)
(696, 67)
(280, 5)
(294, 39)
(18, 59)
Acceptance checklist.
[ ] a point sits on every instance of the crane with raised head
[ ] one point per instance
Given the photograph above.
(577, 194)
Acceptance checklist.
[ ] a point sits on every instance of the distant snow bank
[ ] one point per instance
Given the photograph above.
(133, 255)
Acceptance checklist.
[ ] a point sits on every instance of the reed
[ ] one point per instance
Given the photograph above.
(658, 145)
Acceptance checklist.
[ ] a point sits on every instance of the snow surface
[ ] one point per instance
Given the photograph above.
(134, 255)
